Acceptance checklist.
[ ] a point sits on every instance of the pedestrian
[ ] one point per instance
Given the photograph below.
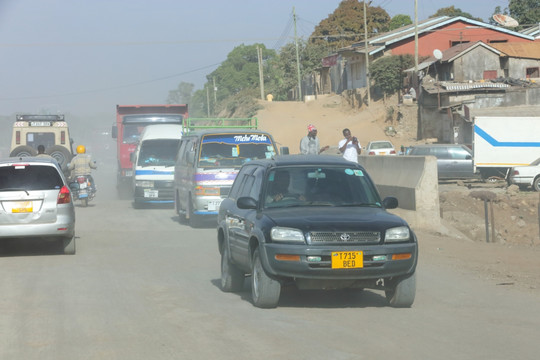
(310, 143)
(41, 152)
(350, 146)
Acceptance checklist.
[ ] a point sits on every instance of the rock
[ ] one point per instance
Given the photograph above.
(512, 190)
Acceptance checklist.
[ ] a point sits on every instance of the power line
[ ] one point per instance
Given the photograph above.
(82, 92)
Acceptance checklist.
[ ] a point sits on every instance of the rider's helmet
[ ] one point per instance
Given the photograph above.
(81, 149)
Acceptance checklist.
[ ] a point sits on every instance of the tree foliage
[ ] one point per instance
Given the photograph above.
(345, 25)
(452, 11)
(283, 75)
(526, 12)
(387, 72)
(182, 94)
(398, 21)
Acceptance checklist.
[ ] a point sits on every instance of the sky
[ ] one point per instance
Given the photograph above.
(86, 56)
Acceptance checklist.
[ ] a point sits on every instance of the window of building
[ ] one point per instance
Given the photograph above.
(532, 73)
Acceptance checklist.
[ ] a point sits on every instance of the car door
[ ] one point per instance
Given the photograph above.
(462, 164)
(237, 219)
(444, 162)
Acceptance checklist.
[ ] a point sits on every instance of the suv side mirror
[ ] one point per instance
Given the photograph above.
(390, 202)
(114, 132)
(246, 202)
(284, 150)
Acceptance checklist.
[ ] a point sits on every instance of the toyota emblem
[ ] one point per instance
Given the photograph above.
(345, 237)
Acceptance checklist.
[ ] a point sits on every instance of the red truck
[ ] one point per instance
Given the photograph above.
(130, 121)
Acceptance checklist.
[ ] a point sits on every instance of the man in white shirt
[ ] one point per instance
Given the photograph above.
(350, 146)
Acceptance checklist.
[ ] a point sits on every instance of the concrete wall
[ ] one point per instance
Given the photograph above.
(412, 180)
(518, 67)
(471, 66)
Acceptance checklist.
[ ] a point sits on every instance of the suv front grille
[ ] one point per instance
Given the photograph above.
(345, 237)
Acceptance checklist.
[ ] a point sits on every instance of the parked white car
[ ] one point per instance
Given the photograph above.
(380, 147)
(525, 176)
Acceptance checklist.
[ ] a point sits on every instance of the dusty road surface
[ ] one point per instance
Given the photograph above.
(144, 286)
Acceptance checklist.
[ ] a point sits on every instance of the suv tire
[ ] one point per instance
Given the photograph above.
(401, 291)
(60, 154)
(265, 291)
(232, 278)
(23, 151)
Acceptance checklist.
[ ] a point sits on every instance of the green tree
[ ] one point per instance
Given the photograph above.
(182, 94)
(526, 12)
(452, 11)
(345, 25)
(283, 70)
(239, 71)
(387, 72)
(398, 21)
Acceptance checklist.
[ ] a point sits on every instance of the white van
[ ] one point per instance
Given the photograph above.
(153, 164)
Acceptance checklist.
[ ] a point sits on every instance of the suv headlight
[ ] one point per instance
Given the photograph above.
(397, 234)
(281, 234)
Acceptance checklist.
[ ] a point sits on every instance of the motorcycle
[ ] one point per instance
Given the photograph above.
(83, 189)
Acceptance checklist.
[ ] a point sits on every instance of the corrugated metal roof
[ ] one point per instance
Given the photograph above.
(521, 50)
(408, 31)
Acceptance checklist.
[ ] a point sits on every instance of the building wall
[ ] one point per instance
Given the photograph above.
(471, 65)
(438, 122)
(446, 36)
(517, 67)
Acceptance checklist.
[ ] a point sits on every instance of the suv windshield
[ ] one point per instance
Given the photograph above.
(29, 177)
(319, 186)
(159, 152)
(233, 150)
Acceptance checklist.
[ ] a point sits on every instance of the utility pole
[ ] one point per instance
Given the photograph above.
(415, 78)
(261, 77)
(367, 55)
(215, 93)
(207, 102)
(297, 59)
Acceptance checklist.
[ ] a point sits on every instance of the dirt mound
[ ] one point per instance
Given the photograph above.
(288, 121)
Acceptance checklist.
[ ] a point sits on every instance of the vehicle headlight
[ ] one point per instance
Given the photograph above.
(144, 183)
(397, 234)
(281, 234)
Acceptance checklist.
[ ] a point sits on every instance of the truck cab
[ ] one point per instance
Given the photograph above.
(153, 164)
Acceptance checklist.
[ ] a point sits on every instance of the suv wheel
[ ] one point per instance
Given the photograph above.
(60, 154)
(23, 151)
(401, 292)
(232, 279)
(265, 291)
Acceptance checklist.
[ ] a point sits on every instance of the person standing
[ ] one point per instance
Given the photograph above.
(350, 146)
(310, 143)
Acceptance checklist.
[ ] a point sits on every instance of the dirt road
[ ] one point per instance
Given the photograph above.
(143, 286)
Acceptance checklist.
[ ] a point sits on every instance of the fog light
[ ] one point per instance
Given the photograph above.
(401, 256)
(285, 257)
(314, 259)
(379, 257)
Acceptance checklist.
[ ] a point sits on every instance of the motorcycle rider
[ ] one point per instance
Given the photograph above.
(82, 164)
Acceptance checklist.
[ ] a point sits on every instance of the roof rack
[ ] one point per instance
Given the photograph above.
(40, 117)
(191, 124)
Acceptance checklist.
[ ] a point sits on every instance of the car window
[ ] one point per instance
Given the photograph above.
(30, 177)
(319, 186)
(238, 188)
(458, 153)
(381, 145)
(441, 152)
(420, 151)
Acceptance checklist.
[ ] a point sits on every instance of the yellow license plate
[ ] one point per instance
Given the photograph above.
(347, 259)
(22, 207)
